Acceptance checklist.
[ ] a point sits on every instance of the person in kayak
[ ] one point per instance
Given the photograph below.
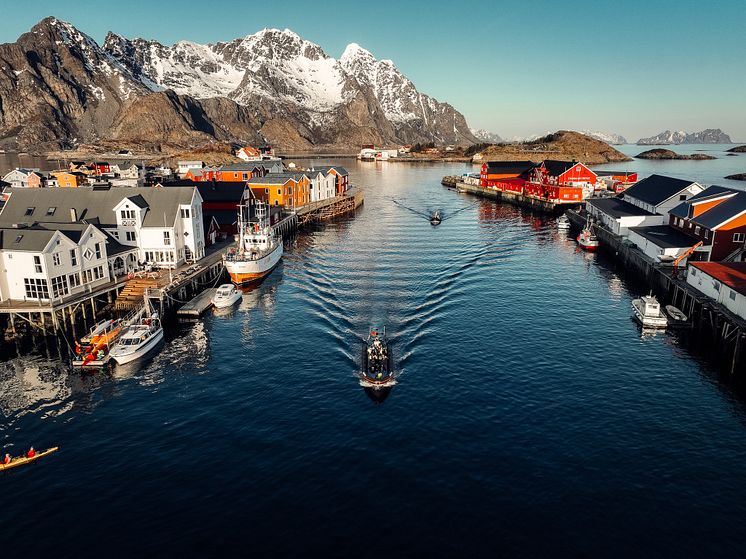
(7, 459)
(31, 453)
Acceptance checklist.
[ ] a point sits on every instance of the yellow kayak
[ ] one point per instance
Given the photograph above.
(21, 460)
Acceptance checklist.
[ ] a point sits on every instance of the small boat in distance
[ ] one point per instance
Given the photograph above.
(378, 369)
(435, 218)
(226, 295)
(563, 222)
(648, 312)
(259, 249)
(22, 460)
(138, 340)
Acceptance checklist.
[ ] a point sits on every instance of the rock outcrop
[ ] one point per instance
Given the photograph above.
(660, 153)
(562, 145)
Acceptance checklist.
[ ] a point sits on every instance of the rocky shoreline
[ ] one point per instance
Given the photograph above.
(737, 177)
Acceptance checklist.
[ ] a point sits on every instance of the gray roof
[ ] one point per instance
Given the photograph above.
(723, 212)
(616, 207)
(656, 189)
(36, 237)
(712, 192)
(326, 168)
(665, 236)
(275, 178)
(248, 166)
(93, 206)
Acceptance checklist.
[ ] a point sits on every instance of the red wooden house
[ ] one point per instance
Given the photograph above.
(101, 168)
(570, 173)
(493, 172)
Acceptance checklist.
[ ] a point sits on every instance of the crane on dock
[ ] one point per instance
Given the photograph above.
(687, 253)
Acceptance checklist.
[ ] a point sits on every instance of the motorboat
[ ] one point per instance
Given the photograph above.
(377, 361)
(563, 222)
(587, 239)
(436, 218)
(138, 340)
(648, 312)
(259, 249)
(226, 296)
(676, 318)
(92, 350)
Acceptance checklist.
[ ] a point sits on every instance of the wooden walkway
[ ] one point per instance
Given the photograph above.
(198, 305)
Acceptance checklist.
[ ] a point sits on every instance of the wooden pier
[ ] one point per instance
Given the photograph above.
(198, 305)
(716, 332)
(529, 202)
(330, 208)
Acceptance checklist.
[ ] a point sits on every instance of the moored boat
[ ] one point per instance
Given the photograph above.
(436, 218)
(563, 222)
(676, 318)
(92, 350)
(377, 361)
(22, 460)
(259, 249)
(226, 296)
(647, 312)
(138, 340)
(587, 239)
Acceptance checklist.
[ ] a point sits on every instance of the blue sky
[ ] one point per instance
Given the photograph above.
(516, 68)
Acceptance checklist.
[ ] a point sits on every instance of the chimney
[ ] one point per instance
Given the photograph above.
(73, 214)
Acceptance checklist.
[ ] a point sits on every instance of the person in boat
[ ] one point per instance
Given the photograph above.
(7, 459)
(31, 453)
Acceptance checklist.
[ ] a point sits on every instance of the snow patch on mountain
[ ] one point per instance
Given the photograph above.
(486, 136)
(708, 136)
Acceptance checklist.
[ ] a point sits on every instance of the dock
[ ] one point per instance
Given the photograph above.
(198, 305)
(522, 200)
(717, 333)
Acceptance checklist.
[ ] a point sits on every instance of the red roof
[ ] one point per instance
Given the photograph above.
(732, 274)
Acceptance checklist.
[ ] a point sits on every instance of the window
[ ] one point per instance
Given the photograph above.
(707, 233)
(737, 237)
(693, 271)
(732, 295)
(97, 246)
(184, 213)
(36, 288)
(115, 234)
(50, 211)
(166, 237)
(56, 259)
(279, 191)
(245, 176)
(696, 230)
(128, 214)
(59, 286)
(29, 211)
(682, 197)
(130, 235)
(73, 280)
(37, 264)
(88, 254)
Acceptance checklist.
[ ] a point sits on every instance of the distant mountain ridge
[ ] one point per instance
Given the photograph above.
(606, 137)
(486, 136)
(59, 88)
(668, 137)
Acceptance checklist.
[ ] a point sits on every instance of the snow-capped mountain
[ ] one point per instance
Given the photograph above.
(486, 136)
(283, 70)
(59, 87)
(708, 136)
(607, 137)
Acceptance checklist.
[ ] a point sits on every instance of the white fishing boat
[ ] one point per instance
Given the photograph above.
(259, 249)
(563, 222)
(648, 312)
(138, 340)
(226, 296)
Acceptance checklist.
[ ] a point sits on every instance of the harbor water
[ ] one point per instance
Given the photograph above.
(531, 417)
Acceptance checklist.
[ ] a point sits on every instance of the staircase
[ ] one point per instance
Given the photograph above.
(131, 296)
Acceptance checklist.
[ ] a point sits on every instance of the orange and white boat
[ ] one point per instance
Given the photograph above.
(259, 248)
(92, 350)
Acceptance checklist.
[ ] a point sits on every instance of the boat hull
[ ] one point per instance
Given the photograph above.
(227, 302)
(242, 272)
(22, 460)
(140, 351)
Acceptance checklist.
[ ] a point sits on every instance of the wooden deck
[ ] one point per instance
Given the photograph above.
(198, 305)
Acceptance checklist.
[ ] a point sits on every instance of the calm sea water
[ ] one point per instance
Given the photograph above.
(531, 417)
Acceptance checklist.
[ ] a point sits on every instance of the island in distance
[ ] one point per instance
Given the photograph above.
(737, 149)
(660, 153)
(708, 136)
